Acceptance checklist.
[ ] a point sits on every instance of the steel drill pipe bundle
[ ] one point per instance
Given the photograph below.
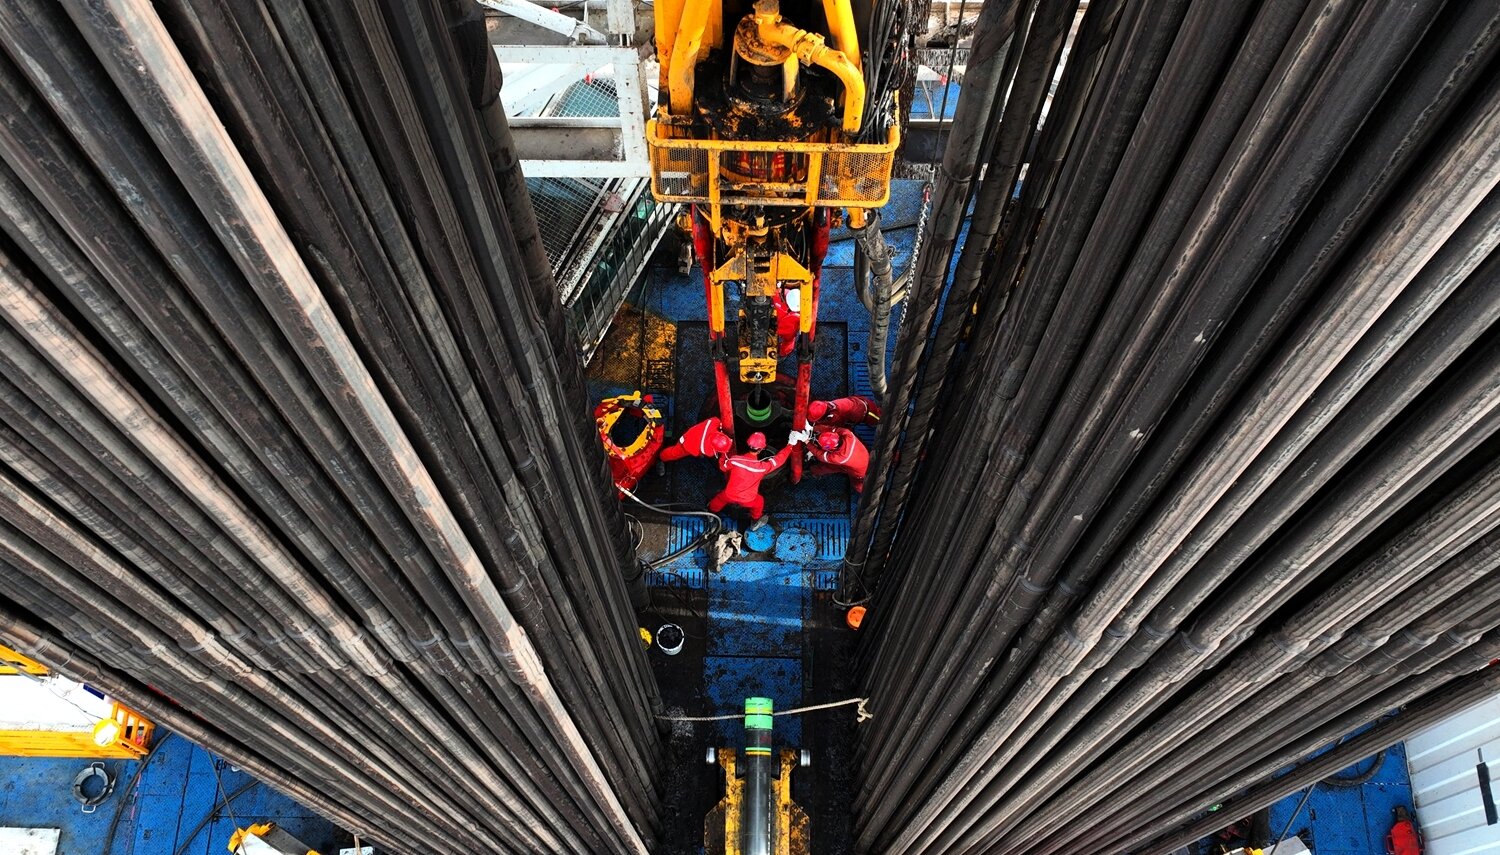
(290, 428)
(1193, 455)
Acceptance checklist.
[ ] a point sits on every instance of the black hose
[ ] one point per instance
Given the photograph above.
(712, 530)
(873, 259)
(214, 814)
(1301, 803)
(1359, 779)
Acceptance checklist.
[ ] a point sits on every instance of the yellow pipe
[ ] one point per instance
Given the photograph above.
(809, 48)
(841, 29)
(668, 14)
(716, 307)
(685, 47)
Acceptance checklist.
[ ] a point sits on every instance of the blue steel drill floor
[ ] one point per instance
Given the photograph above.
(1345, 821)
(162, 815)
(1336, 820)
(765, 624)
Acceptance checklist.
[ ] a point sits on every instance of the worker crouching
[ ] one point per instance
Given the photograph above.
(837, 451)
(704, 439)
(746, 471)
(844, 412)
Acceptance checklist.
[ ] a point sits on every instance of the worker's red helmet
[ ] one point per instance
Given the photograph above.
(756, 441)
(721, 443)
(817, 410)
(828, 440)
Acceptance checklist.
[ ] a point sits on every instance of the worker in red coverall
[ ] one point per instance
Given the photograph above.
(704, 439)
(788, 320)
(745, 472)
(844, 412)
(1404, 838)
(838, 451)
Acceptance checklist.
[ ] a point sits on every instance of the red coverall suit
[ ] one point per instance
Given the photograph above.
(844, 412)
(788, 324)
(696, 441)
(849, 458)
(746, 471)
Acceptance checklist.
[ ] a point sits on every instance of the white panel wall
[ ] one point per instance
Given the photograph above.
(1444, 763)
(29, 841)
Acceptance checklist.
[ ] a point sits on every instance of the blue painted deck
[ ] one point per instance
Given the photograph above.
(768, 626)
(175, 794)
(762, 607)
(1355, 821)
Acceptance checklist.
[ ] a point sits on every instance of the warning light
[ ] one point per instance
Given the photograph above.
(106, 732)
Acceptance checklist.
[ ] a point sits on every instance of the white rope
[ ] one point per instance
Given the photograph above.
(862, 714)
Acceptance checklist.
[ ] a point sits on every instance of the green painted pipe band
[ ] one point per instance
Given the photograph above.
(758, 713)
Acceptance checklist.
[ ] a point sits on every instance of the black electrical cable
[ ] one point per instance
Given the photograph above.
(1359, 779)
(114, 822)
(712, 530)
(1276, 844)
(219, 805)
(655, 565)
(647, 567)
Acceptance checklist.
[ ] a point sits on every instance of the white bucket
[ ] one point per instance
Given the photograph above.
(670, 638)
